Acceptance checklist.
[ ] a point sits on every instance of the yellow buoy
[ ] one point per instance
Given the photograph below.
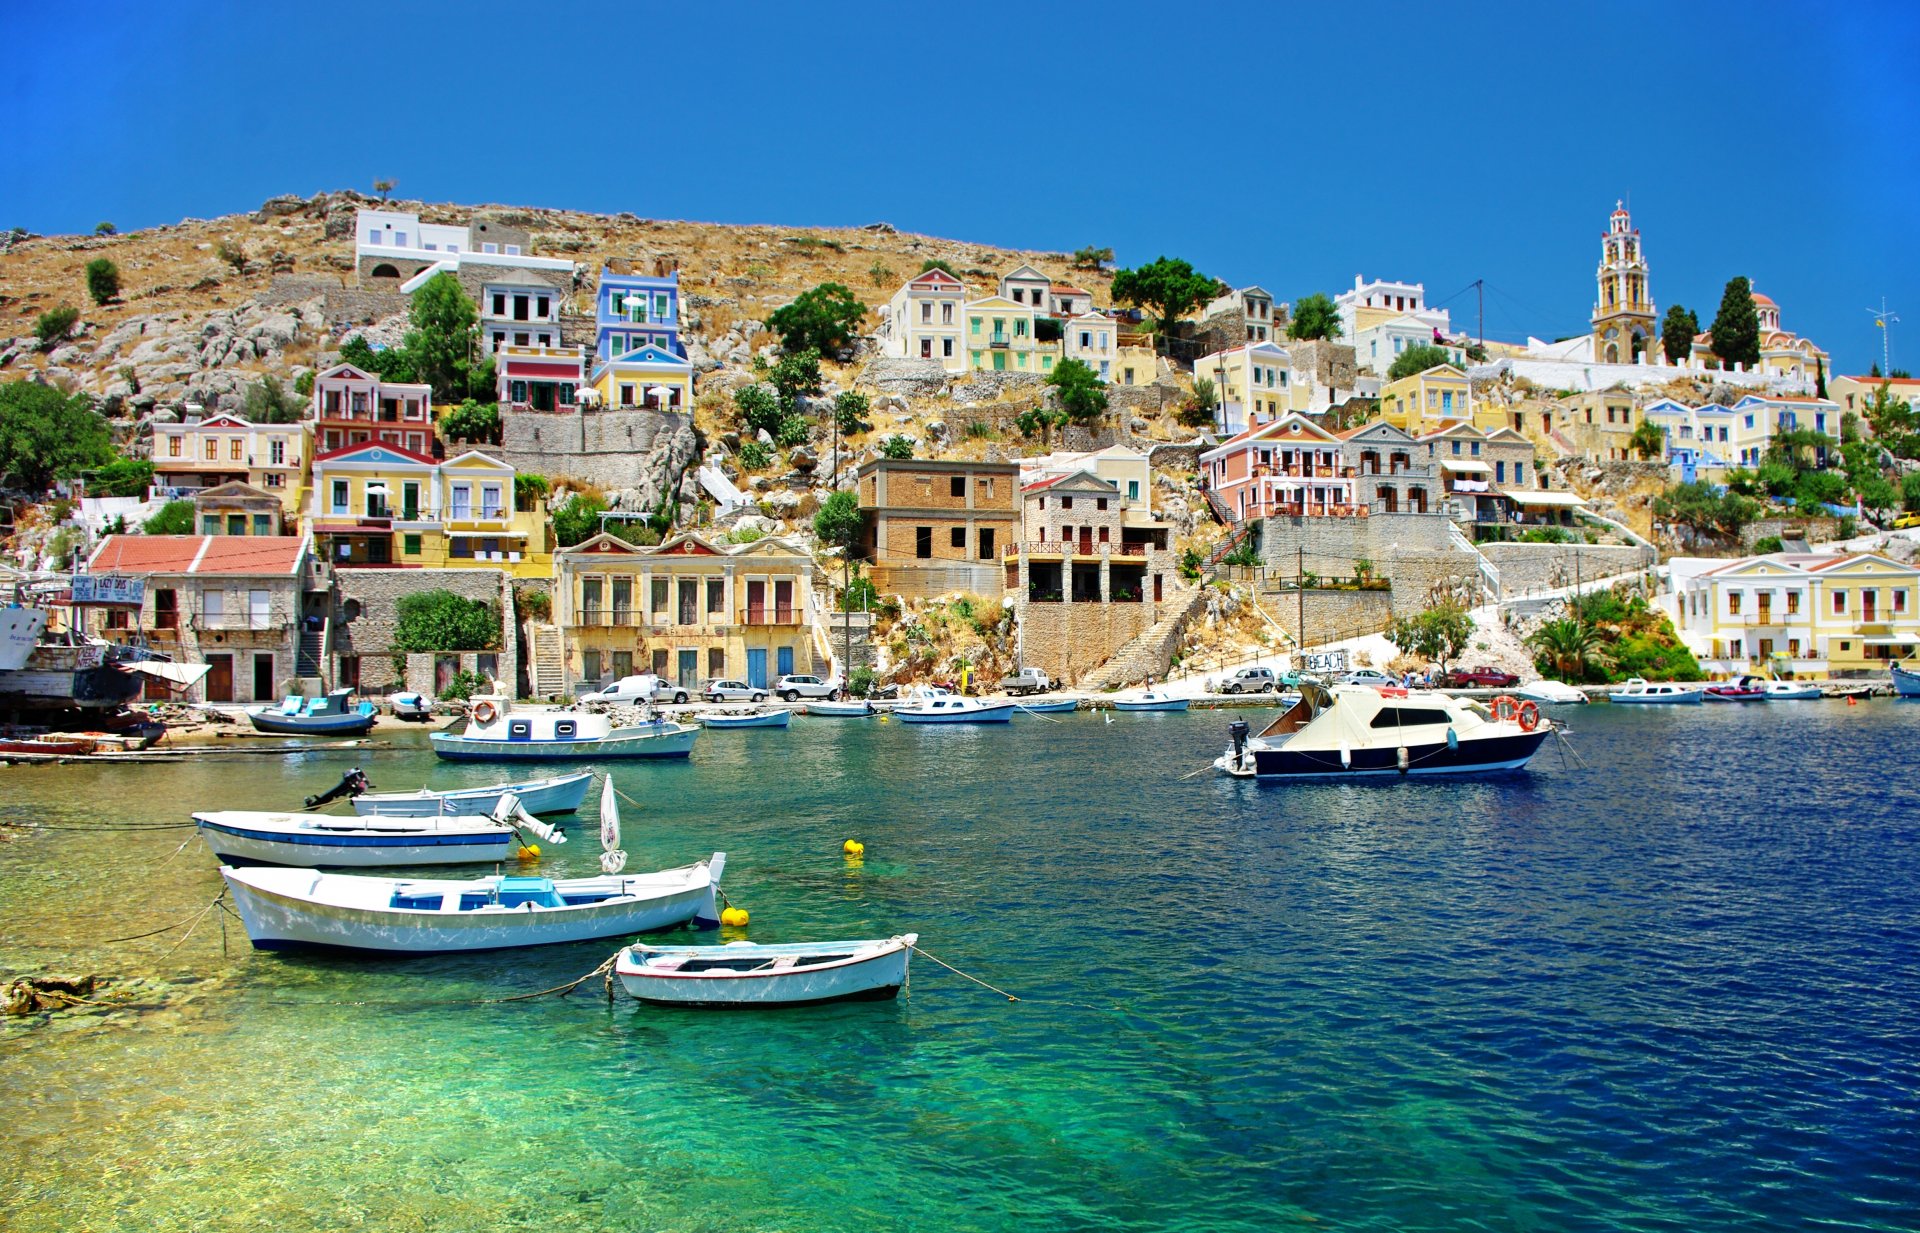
(531, 852)
(733, 916)
(853, 847)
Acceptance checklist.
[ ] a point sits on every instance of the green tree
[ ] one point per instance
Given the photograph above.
(47, 435)
(529, 490)
(472, 420)
(384, 188)
(1314, 316)
(824, 320)
(1677, 332)
(1877, 495)
(1803, 449)
(1910, 491)
(1417, 359)
(796, 375)
(173, 518)
(439, 620)
(1736, 329)
(897, 447)
(1091, 258)
(1438, 635)
(839, 520)
(103, 280)
(389, 364)
(1041, 421)
(1819, 378)
(122, 477)
(105, 229)
(759, 409)
(1706, 510)
(1570, 650)
(268, 402)
(850, 409)
(577, 521)
(937, 263)
(1167, 287)
(1083, 396)
(1768, 543)
(444, 340)
(303, 384)
(1198, 411)
(1647, 440)
(1894, 423)
(55, 324)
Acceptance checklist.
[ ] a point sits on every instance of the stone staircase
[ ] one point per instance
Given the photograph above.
(311, 657)
(1151, 653)
(549, 668)
(1221, 513)
(1236, 535)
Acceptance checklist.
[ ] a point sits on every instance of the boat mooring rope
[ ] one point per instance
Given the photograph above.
(957, 972)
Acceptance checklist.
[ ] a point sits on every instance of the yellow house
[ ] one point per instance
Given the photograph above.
(1419, 404)
(688, 610)
(381, 505)
(999, 337)
(225, 449)
(650, 377)
(1805, 613)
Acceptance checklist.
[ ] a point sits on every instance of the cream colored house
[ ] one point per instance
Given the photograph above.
(925, 320)
(1802, 613)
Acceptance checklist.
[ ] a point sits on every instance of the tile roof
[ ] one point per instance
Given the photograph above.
(198, 554)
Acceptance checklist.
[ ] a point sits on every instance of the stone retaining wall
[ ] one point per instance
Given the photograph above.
(1539, 567)
(1069, 640)
(367, 610)
(611, 448)
(1330, 615)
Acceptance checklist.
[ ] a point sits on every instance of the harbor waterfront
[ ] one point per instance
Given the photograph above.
(1671, 988)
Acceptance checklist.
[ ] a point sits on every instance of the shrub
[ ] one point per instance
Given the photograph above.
(754, 456)
(793, 431)
(232, 252)
(1766, 544)
(105, 229)
(529, 490)
(267, 402)
(103, 280)
(577, 521)
(859, 595)
(1190, 564)
(896, 447)
(472, 421)
(759, 409)
(880, 272)
(1544, 535)
(439, 620)
(173, 518)
(860, 681)
(123, 477)
(824, 319)
(303, 384)
(464, 685)
(1416, 359)
(55, 324)
(850, 409)
(532, 604)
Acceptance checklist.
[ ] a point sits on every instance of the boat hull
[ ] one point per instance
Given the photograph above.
(873, 978)
(1064, 707)
(841, 710)
(237, 843)
(1487, 755)
(985, 715)
(1905, 684)
(1690, 698)
(561, 794)
(1169, 706)
(1793, 695)
(316, 725)
(642, 745)
(773, 719)
(278, 920)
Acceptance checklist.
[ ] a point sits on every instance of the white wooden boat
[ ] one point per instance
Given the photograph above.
(496, 732)
(743, 975)
(557, 794)
(773, 717)
(305, 840)
(1643, 693)
(1149, 700)
(1789, 691)
(297, 908)
(411, 706)
(1053, 706)
(1348, 730)
(860, 709)
(1552, 693)
(929, 704)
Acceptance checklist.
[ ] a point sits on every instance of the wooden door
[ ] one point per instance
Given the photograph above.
(219, 678)
(756, 602)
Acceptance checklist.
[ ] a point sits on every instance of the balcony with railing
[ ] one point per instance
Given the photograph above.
(773, 615)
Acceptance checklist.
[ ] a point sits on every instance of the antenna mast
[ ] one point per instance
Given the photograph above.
(1884, 318)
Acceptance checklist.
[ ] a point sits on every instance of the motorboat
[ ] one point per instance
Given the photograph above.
(1552, 693)
(1640, 692)
(335, 714)
(1052, 706)
(306, 840)
(1789, 691)
(558, 794)
(929, 704)
(287, 909)
(743, 975)
(496, 732)
(1744, 689)
(411, 706)
(1150, 700)
(1906, 681)
(1342, 730)
(849, 709)
(772, 717)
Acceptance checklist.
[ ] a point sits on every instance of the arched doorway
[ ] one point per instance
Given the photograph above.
(384, 270)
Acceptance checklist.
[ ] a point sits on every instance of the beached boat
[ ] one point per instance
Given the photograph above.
(20, 630)
(860, 709)
(774, 717)
(1744, 689)
(1906, 682)
(415, 708)
(559, 794)
(1552, 693)
(308, 840)
(286, 909)
(332, 715)
(1053, 706)
(1790, 691)
(1149, 700)
(496, 732)
(744, 975)
(62, 745)
(1642, 693)
(1353, 730)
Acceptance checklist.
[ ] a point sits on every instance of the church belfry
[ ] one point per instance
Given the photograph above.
(1624, 324)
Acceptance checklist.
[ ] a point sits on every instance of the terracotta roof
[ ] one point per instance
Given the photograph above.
(1070, 288)
(198, 554)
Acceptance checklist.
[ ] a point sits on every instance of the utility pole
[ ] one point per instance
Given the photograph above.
(1300, 583)
(1883, 319)
(1480, 286)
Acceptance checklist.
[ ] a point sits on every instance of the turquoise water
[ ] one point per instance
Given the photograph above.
(1675, 990)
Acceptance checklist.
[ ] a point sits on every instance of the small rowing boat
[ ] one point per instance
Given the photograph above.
(774, 717)
(556, 794)
(1058, 706)
(841, 710)
(333, 715)
(1150, 700)
(743, 975)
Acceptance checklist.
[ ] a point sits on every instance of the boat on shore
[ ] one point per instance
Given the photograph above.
(860, 709)
(306, 840)
(20, 628)
(1639, 692)
(929, 704)
(496, 732)
(411, 706)
(558, 794)
(1150, 700)
(332, 715)
(293, 909)
(61, 746)
(772, 717)
(1552, 693)
(1352, 730)
(746, 975)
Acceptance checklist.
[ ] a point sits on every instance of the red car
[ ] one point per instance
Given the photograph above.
(1478, 678)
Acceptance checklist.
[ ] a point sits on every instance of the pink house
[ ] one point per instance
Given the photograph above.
(1290, 466)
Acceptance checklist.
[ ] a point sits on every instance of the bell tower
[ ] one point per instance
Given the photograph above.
(1624, 324)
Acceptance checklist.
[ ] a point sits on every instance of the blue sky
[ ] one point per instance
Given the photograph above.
(1290, 146)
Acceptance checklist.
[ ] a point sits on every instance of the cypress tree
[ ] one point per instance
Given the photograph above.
(1676, 333)
(1736, 330)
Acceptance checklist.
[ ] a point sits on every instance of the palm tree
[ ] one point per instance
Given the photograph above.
(1571, 647)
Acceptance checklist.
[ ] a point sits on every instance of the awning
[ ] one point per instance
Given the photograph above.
(1895, 640)
(1537, 497)
(348, 528)
(1455, 464)
(180, 676)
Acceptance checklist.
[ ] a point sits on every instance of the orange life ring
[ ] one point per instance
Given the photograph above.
(485, 712)
(1506, 708)
(1529, 715)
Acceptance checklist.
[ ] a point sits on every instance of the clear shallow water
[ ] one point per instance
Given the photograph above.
(1676, 990)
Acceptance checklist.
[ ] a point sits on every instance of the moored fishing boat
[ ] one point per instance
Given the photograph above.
(743, 975)
(1353, 730)
(1744, 689)
(496, 732)
(773, 717)
(308, 840)
(931, 705)
(286, 909)
(1642, 693)
(332, 715)
(1150, 700)
(1790, 691)
(557, 794)
(1053, 706)
(1906, 681)
(1552, 693)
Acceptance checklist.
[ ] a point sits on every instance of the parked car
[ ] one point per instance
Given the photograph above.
(796, 686)
(641, 687)
(1026, 681)
(1906, 520)
(1367, 676)
(1478, 678)
(718, 690)
(1250, 681)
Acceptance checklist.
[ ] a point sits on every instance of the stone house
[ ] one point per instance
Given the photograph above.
(1391, 473)
(238, 509)
(1478, 469)
(936, 527)
(1253, 306)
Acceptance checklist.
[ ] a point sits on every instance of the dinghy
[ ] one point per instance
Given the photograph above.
(304, 840)
(1057, 706)
(1552, 693)
(1149, 700)
(841, 710)
(332, 715)
(558, 794)
(415, 708)
(287, 909)
(742, 975)
(775, 717)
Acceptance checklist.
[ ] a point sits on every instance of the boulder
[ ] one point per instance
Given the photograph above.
(802, 459)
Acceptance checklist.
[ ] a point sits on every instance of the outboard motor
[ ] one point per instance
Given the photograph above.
(1237, 733)
(353, 783)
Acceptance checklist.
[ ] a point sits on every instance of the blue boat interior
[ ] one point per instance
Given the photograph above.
(509, 892)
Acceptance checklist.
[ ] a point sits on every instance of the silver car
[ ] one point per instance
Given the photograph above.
(796, 686)
(718, 690)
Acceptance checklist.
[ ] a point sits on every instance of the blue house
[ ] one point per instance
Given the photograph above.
(632, 312)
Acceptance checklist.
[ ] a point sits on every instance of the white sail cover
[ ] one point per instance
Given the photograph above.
(179, 676)
(612, 859)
